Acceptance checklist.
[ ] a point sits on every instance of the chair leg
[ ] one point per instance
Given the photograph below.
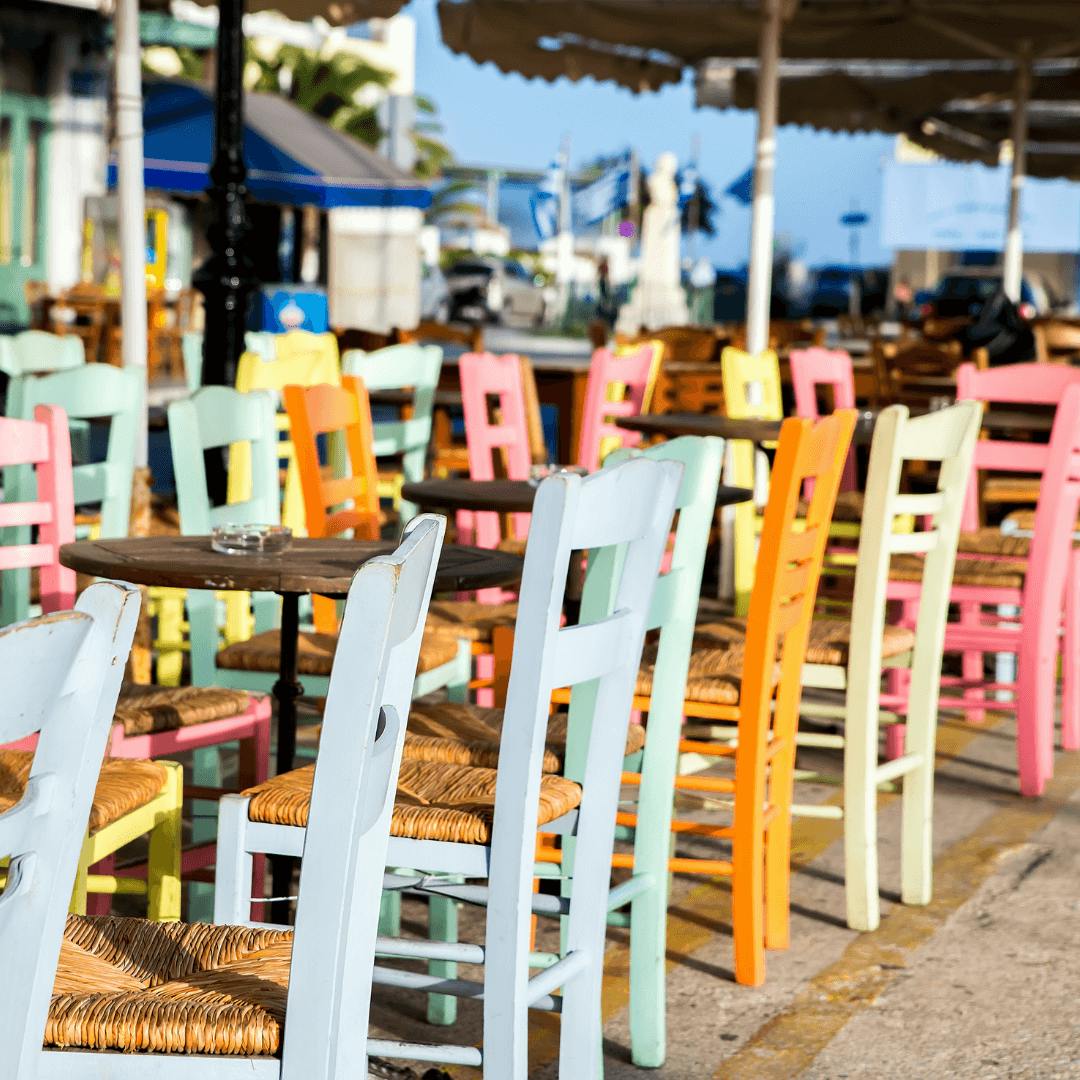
(99, 903)
(860, 822)
(206, 772)
(748, 901)
(232, 875)
(1070, 704)
(457, 689)
(972, 667)
(163, 861)
(170, 636)
(916, 837)
(78, 893)
(442, 926)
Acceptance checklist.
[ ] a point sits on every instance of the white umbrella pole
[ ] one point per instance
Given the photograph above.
(1014, 236)
(131, 205)
(759, 284)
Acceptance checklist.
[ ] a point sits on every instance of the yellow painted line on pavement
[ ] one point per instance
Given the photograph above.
(790, 1042)
(694, 919)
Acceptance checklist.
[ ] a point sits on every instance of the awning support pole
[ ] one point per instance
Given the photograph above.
(227, 278)
(131, 202)
(1013, 268)
(759, 284)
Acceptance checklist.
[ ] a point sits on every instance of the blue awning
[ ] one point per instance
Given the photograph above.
(292, 157)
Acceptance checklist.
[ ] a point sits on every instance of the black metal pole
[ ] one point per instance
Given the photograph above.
(227, 278)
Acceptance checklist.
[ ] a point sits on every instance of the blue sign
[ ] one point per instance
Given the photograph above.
(950, 207)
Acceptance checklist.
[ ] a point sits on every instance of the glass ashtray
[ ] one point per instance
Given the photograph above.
(250, 539)
(539, 473)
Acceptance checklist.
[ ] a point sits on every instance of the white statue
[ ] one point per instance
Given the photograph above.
(658, 299)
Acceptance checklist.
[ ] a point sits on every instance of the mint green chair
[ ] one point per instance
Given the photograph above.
(91, 391)
(37, 352)
(673, 613)
(416, 367)
(216, 417)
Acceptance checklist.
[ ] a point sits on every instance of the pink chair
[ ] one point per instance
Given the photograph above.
(999, 583)
(45, 444)
(814, 367)
(485, 377)
(617, 386)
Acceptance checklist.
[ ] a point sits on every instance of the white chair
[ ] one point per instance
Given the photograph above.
(621, 514)
(946, 437)
(240, 1001)
(61, 677)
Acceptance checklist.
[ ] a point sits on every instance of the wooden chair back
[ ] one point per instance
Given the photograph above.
(93, 392)
(413, 367)
(344, 410)
(538, 449)
(62, 676)
(254, 371)
(816, 367)
(212, 419)
(352, 800)
(365, 340)
(751, 392)
(497, 434)
(37, 352)
(43, 444)
(918, 372)
(622, 516)
(617, 386)
(1012, 384)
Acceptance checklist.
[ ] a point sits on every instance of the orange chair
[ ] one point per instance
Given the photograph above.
(343, 496)
(755, 683)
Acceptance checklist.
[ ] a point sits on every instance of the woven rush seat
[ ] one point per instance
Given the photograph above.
(315, 653)
(974, 571)
(849, 507)
(435, 801)
(469, 619)
(466, 734)
(1022, 489)
(166, 987)
(144, 710)
(1025, 520)
(989, 540)
(123, 785)
(829, 640)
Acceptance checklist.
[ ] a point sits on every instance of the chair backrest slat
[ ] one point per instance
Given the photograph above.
(37, 352)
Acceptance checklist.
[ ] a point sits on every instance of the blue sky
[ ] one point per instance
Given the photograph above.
(492, 118)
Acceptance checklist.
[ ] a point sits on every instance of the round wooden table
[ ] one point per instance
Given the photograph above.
(506, 496)
(308, 566)
(400, 397)
(672, 425)
(325, 567)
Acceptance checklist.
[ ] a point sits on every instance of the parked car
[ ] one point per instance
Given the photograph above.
(830, 294)
(434, 295)
(964, 291)
(495, 290)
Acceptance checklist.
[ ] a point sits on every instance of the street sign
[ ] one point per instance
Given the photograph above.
(854, 218)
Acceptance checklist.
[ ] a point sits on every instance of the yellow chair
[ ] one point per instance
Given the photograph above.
(303, 359)
(751, 392)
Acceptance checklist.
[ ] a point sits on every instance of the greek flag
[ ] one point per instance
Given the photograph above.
(606, 194)
(544, 203)
(688, 184)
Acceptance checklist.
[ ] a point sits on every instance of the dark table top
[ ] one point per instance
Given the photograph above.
(307, 566)
(444, 399)
(505, 496)
(675, 424)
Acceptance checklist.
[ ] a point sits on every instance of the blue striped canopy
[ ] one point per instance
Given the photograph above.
(292, 157)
